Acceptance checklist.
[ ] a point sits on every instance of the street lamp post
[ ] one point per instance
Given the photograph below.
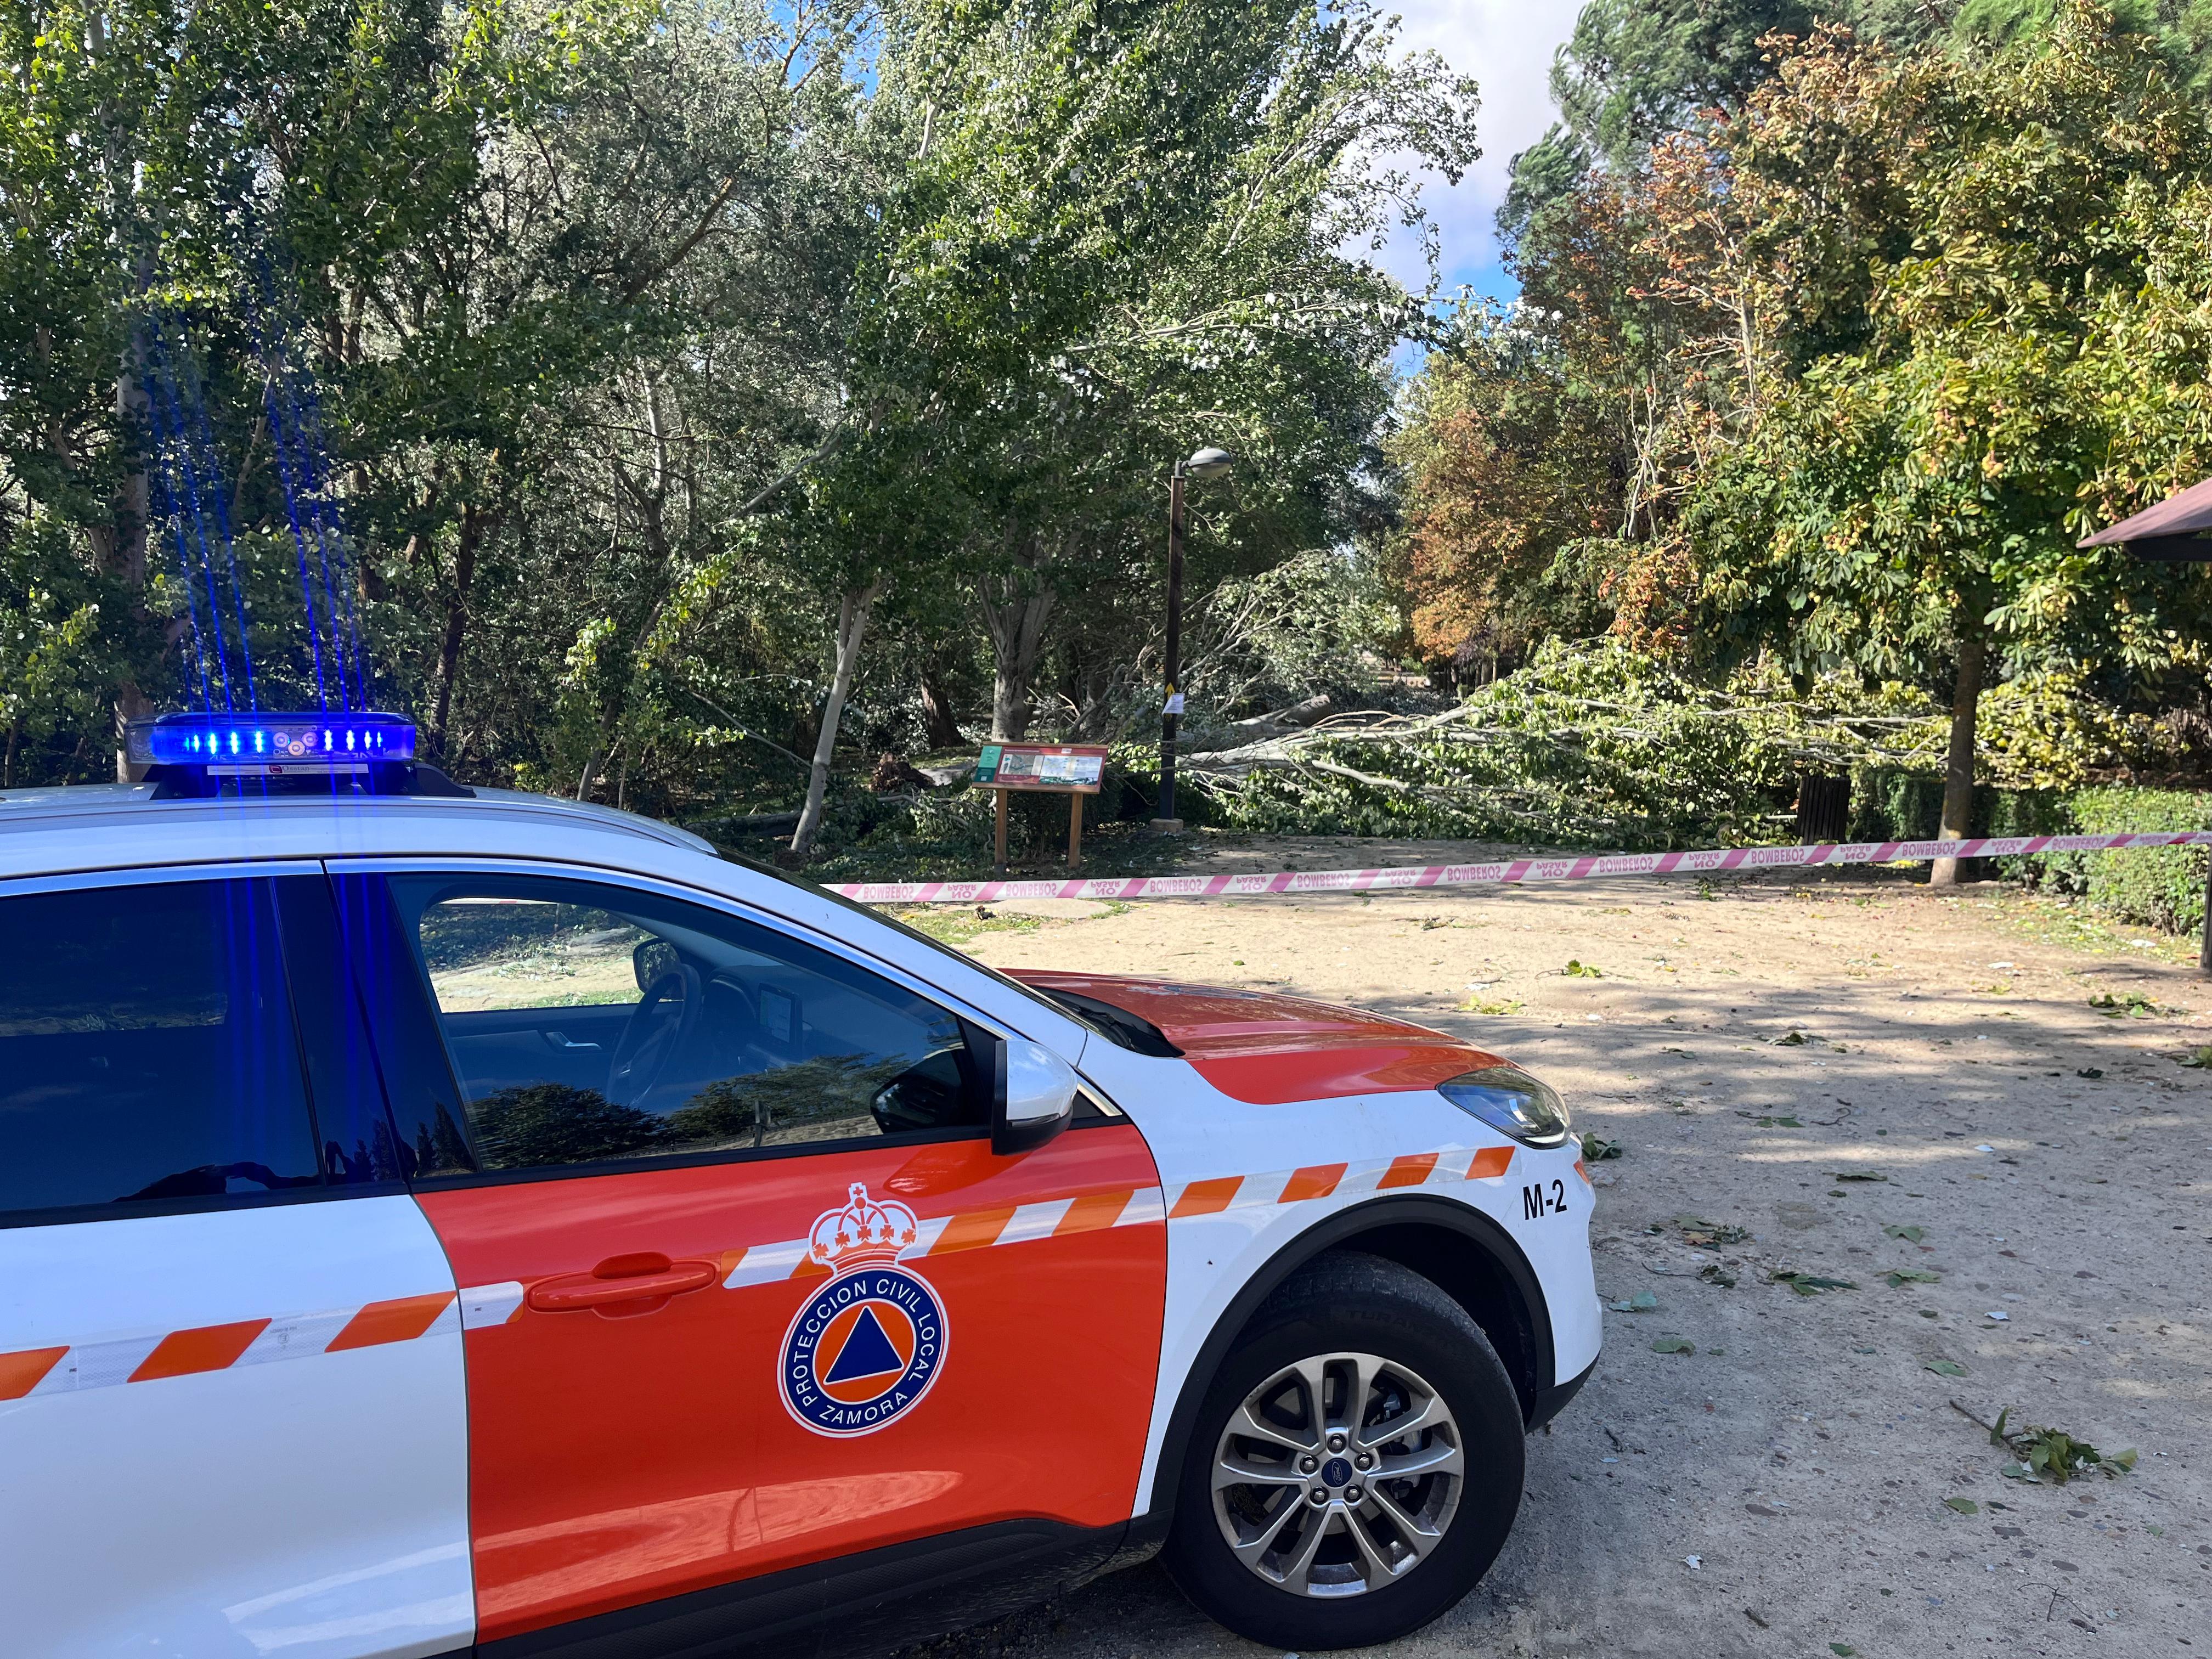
(1205, 464)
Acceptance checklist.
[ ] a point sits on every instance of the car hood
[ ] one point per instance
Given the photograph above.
(1266, 1048)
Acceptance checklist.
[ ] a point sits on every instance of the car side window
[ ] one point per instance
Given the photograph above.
(588, 1023)
(149, 1053)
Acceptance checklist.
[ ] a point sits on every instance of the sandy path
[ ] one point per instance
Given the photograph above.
(1804, 1452)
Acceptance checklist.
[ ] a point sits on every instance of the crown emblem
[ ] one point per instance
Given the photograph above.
(865, 1232)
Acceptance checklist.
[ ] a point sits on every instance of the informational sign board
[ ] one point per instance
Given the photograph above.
(1074, 769)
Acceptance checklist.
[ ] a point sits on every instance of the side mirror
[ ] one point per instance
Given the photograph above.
(1033, 1097)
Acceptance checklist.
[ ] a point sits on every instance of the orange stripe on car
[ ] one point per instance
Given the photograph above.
(1491, 1162)
(20, 1372)
(972, 1230)
(401, 1319)
(1410, 1170)
(1092, 1212)
(1205, 1197)
(1315, 1181)
(202, 1348)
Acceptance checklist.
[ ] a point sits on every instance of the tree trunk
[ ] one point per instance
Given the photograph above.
(1017, 629)
(852, 621)
(942, 731)
(457, 622)
(1958, 761)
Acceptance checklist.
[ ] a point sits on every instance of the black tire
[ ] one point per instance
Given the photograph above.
(1349, 1304)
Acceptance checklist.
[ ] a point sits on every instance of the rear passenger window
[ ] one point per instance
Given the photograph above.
(147, 1051)
(589, 1023)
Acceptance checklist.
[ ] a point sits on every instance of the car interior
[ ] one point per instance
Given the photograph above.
(586, 1024)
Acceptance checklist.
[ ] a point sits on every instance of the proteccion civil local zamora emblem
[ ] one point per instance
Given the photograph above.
(866, 1344)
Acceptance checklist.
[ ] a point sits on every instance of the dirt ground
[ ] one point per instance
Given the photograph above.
(1802, 1483)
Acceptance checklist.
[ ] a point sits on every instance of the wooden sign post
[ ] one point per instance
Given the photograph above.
(1072, 769)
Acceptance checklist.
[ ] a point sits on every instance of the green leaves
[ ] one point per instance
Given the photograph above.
(1675, 1345)
(1699, 1233)
(2135, 1005)
(2053, 1455)
(1810, 1284)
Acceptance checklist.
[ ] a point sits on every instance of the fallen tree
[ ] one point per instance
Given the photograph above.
(1596, 744)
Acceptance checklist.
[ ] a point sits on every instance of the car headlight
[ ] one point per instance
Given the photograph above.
(1512, 1102)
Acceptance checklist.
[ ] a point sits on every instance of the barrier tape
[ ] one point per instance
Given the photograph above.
(1585, 867)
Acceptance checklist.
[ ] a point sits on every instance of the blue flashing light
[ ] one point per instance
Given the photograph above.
(272, 741)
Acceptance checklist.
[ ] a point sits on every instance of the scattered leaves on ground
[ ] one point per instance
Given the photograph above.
(1898, 1276)
(1697, 1231)
(2134, 1006)
(1476, 1005)
(1946, 1368)
(1909, 1235)
(1858, 1174)
(1781, 1122)
(2047, 1453)
(2054, 1454)
(1673, 1345)
(1641, 1302)
(1717, 1274)
(1596, 1149)
(1963, 1505)
(1810, 1284)
(1795, 1040)
(1575, 970)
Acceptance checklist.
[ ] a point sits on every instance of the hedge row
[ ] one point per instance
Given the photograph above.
(2164, 889)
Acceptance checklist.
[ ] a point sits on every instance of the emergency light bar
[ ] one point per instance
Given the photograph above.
(188, 754)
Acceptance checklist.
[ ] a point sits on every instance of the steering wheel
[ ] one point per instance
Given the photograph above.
(660, 1028)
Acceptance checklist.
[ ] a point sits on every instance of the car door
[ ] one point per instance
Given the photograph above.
(746, 1288)
(231, 1402)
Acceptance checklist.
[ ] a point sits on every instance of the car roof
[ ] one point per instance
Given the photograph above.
(104, 830)
(122, 825)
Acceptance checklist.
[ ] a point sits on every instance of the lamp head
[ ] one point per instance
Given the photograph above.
(1208, 464)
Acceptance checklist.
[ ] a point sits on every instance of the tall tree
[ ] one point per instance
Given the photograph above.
(1121, 238)
(1912, 502)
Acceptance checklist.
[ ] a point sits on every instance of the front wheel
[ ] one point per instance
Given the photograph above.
(1356, 1466)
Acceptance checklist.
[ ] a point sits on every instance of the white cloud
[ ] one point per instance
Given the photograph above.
(1508, 48)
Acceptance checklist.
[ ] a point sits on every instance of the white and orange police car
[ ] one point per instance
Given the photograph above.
(435, 1222)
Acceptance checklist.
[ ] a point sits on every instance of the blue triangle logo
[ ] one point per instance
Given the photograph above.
(867, 1351)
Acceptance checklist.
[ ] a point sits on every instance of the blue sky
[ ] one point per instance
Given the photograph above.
(1508, 48)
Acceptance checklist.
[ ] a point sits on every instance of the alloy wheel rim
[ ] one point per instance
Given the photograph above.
(1338, 1475)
